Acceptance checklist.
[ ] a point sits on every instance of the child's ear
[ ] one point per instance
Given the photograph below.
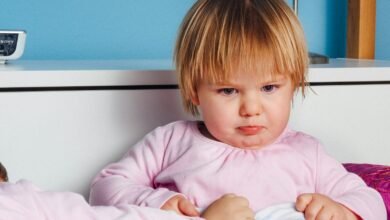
(195, 99)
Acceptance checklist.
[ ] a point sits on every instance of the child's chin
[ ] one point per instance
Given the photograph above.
(250, 146)
(252, 143)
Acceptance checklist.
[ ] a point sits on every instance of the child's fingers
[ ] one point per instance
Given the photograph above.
(302, 201)
(229, 195)
(187, 208)
(240, 200)
(248, 213)
(313, 209)
(324, 214)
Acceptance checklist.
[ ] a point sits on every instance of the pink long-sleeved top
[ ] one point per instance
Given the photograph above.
(25, 201)
(177, 158)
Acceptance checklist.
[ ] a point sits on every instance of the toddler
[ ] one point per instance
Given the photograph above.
(239, 64)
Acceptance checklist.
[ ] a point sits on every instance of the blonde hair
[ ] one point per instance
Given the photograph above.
(3, 174)
(217, 37)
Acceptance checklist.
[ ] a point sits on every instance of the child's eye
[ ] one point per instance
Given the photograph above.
(268, 88)
(227, 91)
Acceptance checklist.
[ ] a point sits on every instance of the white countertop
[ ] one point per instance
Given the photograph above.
(70, 73)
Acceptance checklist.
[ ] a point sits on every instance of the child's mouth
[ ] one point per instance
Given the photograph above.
(250, 130)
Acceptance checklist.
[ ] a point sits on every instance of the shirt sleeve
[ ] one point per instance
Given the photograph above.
(347, 188)
(131, 180)
(22, 200)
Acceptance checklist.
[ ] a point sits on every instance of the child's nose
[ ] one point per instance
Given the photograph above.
(250, 107)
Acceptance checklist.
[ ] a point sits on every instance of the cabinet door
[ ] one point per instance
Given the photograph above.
(60, 140)
(353, 122)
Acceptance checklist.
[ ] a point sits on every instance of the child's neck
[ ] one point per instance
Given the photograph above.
(204, 131)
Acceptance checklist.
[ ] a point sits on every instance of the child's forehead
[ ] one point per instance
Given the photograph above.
(257, 77)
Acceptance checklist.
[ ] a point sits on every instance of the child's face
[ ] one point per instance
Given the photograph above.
(245, 112)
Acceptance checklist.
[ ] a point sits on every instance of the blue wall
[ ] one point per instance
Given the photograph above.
(129, 29)
(95, 29)
(382, 48)
(325, 22)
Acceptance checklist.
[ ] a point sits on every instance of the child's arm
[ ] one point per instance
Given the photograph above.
(23, 201)
(345, 189)
(317, 206)
(132, 179)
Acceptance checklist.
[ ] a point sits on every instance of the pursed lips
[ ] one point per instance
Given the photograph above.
(250, 129)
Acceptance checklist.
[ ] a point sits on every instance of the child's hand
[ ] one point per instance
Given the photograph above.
(180, 205)
(229, 207)
(316, 206)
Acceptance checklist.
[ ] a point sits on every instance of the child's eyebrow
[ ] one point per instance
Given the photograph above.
(280, 80)
(277, 79)
(224, 84)
(274, 79)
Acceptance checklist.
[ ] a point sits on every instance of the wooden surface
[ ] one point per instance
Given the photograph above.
(361, 29)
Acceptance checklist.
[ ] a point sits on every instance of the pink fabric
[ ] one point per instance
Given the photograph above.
(24, 201)
(376, 176)
(178, 158)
